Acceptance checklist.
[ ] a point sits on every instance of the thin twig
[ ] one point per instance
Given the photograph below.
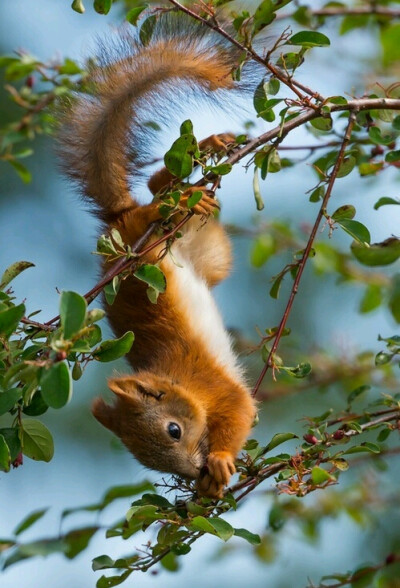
(270, 361)
(372, 10)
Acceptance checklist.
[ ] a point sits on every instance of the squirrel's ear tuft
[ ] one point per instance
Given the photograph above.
(105, 414)
(131, 387)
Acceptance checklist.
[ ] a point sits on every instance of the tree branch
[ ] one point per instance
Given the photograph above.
(372, 10)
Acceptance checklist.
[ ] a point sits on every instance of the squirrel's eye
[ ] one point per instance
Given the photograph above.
(174, 431)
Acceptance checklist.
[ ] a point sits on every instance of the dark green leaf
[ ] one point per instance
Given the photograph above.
(9, 319)
(357, 230)
(30, 520)
(309, 39)
(375, 134)
(56, 385)
(43, 548)
(385, 201)
(102, 6)
(276, 517)
(147, 29)
(108, 582)
(112, 349)
(5, 457)
(363, 577)
(214, 526)
(252, 538)
(72, 313)
(300, 371)
(8, 399)
(317, 194)
(13, 271)
(126, 491)
(278, 439)
(364, 447)
(37, 405)
(391, 157)
(274, 292)
(381, 358)
(102, 562)
(37, 442)
(11, 436)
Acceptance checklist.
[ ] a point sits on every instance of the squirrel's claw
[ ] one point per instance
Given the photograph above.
(220, 467)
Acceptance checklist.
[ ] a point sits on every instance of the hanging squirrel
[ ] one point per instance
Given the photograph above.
(186, 409)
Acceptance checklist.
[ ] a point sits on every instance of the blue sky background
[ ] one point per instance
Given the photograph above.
(45, 223)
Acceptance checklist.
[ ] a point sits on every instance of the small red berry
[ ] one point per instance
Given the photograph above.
(339, 434)
(18, 461)
(61, 355)
(311, 439)
(30, 80)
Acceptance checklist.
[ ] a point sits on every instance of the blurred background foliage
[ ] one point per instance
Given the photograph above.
(340, 310)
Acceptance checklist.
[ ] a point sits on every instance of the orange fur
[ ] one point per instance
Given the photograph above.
(181, 378)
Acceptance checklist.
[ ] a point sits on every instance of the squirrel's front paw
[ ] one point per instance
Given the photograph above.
(219, 469)
(205, 206)
(221, 143)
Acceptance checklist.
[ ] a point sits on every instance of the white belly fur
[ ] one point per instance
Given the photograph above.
(200, 310)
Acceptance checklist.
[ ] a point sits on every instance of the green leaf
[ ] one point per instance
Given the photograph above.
(355, 229)
(78, 6)
(102, 6)
(37, 405)
(263, 248)
(13, 271)
(252, 538)
(276, 286)
(322, 123)
(43, 548)
(346, 166)
(309, 39)
(375, 134)
(21, 170)
(147, 29)
(377, 254)
(9, 319)
(126, 491)
(272, 87)
(70, 68)
(111, 289)
(133, 14)
(278, 439)
(77, 540)
(179, 159)
(394, 300)
(193, 199)
(214, 526)
(108, 582)
(112, 349)
(153, 276)
(372, 298)
(384, 201)
(102, 562)
(263, 15)
(30, 520)
(317, 194)
(37, 442)
(343, 212)
(300, 371)
(370, 168)
(5, 457)
(319, 475)
(8, 399)
(363, 448)
(363, 577)
(56, 385)
(381, 358)
(72, 313)
(391, 157)
(11, 436)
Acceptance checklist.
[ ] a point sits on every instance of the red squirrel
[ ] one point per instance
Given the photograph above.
(186, 409)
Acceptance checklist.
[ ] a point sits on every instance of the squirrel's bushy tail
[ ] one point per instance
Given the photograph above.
(100, 137)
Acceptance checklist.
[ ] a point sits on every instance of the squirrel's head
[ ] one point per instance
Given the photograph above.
(158, 421)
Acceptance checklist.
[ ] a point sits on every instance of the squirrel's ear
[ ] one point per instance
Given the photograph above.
(132, 386)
